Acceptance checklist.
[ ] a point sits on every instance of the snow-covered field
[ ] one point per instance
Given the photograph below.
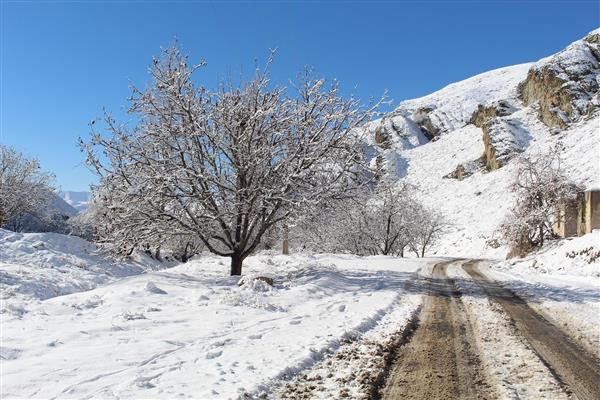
(191, 330)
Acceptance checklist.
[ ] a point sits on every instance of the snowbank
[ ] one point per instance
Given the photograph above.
(39, 266)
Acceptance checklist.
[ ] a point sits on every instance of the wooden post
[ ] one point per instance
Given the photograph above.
(286, 240)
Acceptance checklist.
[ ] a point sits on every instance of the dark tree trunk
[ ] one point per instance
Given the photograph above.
(236, 264)
(185, 257)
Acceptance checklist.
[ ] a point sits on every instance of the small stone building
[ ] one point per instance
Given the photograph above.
(580, 217)
(589, 212)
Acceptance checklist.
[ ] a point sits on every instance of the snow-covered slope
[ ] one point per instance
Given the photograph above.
(38, 266)
(60, 205)
(478, 126)
(77, 200)
(451, 107)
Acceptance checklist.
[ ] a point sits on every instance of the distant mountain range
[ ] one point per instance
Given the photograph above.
(78, 200)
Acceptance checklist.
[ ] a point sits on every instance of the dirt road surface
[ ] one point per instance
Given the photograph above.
(440, 361)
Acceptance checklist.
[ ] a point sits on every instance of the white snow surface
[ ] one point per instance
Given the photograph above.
(38, 266)
(192, 331)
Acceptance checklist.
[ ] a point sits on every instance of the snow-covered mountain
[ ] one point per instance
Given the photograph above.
(77, 200)
(458, 145)
(61, 206)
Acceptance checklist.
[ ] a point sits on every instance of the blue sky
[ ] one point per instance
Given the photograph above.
(63, 61)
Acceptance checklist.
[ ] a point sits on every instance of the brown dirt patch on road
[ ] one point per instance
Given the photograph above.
(440, 361)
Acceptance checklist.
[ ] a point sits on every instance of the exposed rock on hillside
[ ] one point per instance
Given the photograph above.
(502, 139)
(565, 84)
(421, 118)
(465, 170)
(484, 113)
(452, 107)
(395, 131)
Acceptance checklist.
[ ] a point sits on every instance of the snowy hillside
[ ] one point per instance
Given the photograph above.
(77, 200)
(478, 126)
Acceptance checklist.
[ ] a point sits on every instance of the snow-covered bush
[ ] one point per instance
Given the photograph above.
(541, 188)
(25, 190)
(223, 166)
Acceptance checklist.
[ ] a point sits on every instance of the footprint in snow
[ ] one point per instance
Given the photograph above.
(127, 316)
(221, 343)
(213, 354)
(342, 308)
(295, 322)
(257, 336)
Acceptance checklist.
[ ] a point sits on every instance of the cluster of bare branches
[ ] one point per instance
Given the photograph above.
(25, 190)
(389, 221)
(222, 167)
(541, 188)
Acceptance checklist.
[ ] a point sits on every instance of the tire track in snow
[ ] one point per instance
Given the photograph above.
(571, 364)
(441, 360)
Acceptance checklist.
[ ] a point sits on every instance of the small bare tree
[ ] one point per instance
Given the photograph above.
(426, 229)
(224, 166)
(25, 190)
(540, 188)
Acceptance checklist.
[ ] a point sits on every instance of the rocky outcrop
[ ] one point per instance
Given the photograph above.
(465, 170)
(421, 117)
(382, 137)
(503, 138)
(564, 85)
(395, 131)
(484, 113)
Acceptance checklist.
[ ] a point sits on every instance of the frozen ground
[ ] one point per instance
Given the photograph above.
(191, 331)
(322, 331)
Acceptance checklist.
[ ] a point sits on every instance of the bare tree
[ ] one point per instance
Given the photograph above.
(540, 187)
(25, 190)
(426, 229)
(385, 222)
(227, 165)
